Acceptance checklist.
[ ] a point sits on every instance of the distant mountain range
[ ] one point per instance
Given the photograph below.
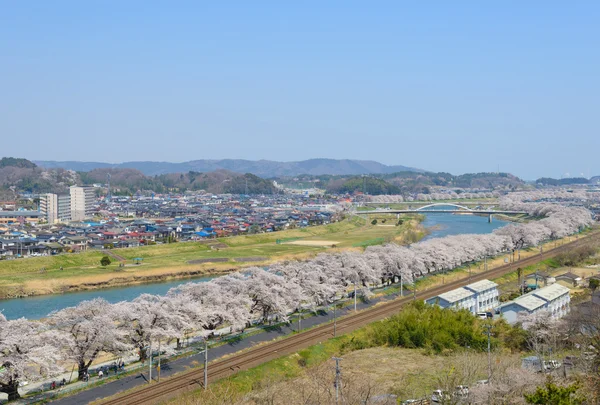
(262, 168)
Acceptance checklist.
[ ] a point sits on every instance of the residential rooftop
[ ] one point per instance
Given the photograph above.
(456, 295)
(481, 286)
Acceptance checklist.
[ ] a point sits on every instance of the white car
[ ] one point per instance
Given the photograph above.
(439, 396)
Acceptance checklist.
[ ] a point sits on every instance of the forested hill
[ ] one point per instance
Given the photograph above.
(220, 181)
(547, 181)
(403, 182)
(262, 168)
(25, 176)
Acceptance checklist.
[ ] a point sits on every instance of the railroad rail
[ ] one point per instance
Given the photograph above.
(252, 357)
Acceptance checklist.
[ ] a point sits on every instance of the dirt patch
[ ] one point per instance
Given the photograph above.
(218, 245)
(209, 260)
(319, 243)
(251, 259)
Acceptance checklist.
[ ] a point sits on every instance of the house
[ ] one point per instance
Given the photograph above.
(571, 278)
(535, 280)
(75, 242)
(554, 298)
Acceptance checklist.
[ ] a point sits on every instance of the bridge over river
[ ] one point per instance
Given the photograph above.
(437, 208)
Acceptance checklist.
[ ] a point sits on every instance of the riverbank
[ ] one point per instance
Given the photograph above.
(190, 260)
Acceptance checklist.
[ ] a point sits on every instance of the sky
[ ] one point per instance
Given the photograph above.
(460, 86)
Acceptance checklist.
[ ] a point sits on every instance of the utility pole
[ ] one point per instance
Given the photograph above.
(469, 267)
(355, 296)
(488, 332)
(401, 287)
(299, 322)
(414, 291)
(334, 322)
(338, 378)
(150, 363)
(205, 364)
(158, 368)
(205, 351)
(485, 263)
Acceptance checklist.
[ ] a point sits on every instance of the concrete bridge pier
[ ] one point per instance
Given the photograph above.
(490, 218)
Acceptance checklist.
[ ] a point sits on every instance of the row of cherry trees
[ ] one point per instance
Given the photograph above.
(31, 349)
(396, 198)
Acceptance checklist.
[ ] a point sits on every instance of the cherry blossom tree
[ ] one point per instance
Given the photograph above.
(272, 297)
(26, 352)
(150, 318)
(87, 330)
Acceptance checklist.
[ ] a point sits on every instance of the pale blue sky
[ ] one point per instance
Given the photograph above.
(457, 86)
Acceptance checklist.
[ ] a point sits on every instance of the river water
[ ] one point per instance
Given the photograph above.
(37, 307)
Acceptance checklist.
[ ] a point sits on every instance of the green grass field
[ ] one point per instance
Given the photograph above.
(37, 275)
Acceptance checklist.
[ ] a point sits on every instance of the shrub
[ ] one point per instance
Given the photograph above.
(105, 261)
(429, 326)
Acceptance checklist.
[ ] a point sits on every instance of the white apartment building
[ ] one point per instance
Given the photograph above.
(480, 296)
(55, 207)
(486, 292)
(459, 298)
(82, 200)
(555, 299)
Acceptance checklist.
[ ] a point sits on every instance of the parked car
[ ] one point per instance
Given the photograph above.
(440, 396)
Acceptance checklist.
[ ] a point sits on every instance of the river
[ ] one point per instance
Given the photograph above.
(37, 307)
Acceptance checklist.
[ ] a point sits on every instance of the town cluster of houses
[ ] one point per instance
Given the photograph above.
(130, 222)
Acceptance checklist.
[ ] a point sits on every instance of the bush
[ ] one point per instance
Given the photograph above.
(429, 326)
(105, 261)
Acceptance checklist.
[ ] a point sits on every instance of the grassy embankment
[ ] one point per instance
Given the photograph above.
(43, 275)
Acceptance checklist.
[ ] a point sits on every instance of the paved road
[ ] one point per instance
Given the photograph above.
(186, 363)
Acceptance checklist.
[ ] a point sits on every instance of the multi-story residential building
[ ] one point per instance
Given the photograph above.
(486, 292)
(55, 207)
(82, 200)
(459, 298)
(48, 207)
(480, 296)
(555, 299)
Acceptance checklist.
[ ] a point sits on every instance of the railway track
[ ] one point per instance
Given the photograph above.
(258, 355)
